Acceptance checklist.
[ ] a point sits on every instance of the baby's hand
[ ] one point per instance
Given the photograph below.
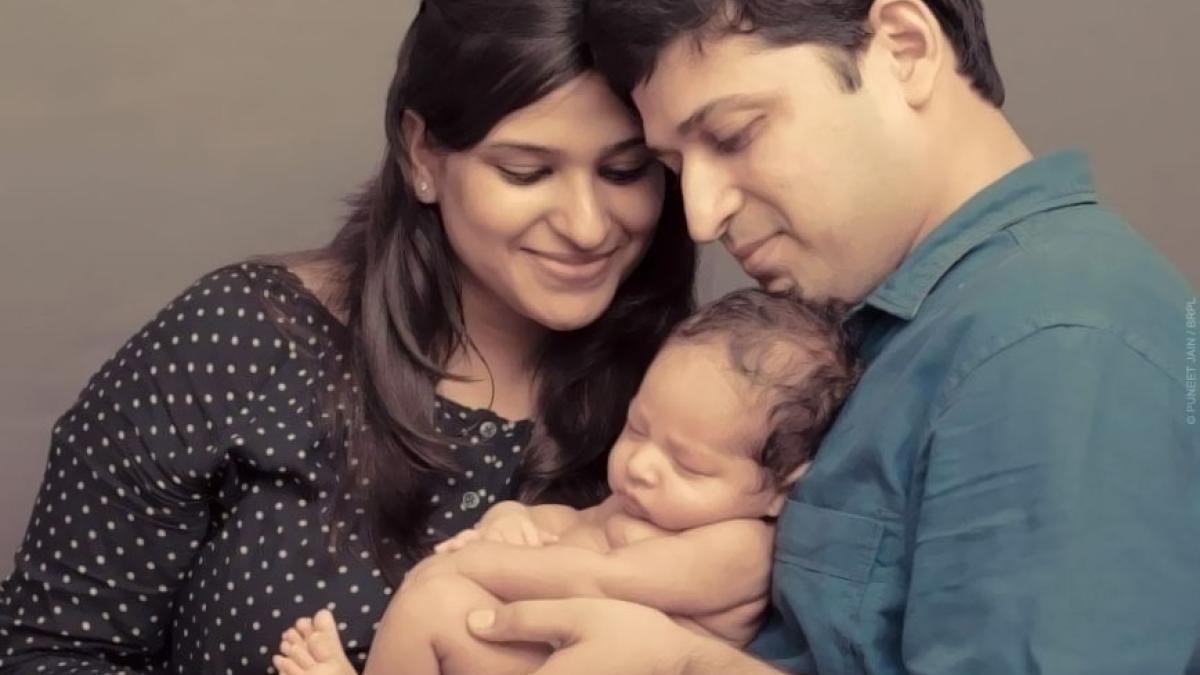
(504, 523)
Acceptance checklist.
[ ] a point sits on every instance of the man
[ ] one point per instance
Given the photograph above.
(1015, 485)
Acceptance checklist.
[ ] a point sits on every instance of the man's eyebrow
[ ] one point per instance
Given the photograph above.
(733, 102)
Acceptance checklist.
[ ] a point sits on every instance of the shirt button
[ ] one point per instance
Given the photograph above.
(488, 429)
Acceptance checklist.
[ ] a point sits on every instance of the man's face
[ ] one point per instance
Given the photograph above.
(813, 188)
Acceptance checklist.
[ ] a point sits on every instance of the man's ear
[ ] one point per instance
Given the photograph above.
(775, 506)
(423, 162)
(912, 41)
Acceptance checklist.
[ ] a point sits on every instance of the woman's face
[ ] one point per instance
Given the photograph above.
(550, 211)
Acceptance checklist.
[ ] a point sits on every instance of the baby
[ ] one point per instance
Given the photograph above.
(726, 419)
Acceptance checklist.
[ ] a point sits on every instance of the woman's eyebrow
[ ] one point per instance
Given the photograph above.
(633, 142)
(529, 148)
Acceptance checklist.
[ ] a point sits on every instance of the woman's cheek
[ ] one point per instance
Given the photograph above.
(638, 206)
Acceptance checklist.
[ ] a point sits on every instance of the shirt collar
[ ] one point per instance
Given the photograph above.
(1057, 180)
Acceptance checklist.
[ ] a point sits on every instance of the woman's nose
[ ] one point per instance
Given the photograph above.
(581, 218)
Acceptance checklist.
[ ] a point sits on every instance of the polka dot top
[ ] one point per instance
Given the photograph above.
(179, 524)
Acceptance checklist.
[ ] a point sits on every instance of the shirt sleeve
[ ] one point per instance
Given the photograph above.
(125, 500)
(1059, 526)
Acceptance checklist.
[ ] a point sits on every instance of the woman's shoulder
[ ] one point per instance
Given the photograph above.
(250, 283)
(243, 313)
(256, 297)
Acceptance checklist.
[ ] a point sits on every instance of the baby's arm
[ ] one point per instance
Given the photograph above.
(694, 573)
(553, 518)
(512, 522)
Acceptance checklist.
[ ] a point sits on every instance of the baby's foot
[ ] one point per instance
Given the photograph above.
(313, 647)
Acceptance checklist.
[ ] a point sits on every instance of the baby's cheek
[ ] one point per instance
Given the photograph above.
(707, 506)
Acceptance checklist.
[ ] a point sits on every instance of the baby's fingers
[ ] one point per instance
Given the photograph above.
(508, 531)
(457, 541)
(530, 534)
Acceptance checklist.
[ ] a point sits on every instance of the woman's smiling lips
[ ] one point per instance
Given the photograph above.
(574, 269)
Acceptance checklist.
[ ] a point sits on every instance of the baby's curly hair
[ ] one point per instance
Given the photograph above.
(796, 351)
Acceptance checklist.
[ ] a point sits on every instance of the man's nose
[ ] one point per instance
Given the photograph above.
(710, 200)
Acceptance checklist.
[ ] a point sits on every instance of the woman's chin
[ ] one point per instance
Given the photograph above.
(571, 315)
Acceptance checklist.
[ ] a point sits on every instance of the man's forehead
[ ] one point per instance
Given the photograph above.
(685, 61)
(690, 76)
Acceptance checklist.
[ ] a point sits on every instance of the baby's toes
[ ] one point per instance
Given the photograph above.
(325, 647)
(324, 643)
(286, 666)
(292, 635)
(298, 653)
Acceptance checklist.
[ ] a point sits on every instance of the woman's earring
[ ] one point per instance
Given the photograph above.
(423, 190)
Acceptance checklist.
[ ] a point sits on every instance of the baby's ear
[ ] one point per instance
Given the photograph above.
(776, 504)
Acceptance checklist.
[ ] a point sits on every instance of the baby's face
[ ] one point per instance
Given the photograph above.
(685, 456)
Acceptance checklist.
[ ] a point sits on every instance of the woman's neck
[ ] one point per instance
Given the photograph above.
(500, 352)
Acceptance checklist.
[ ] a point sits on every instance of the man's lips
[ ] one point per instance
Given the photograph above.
(752, 256)
(746, 249)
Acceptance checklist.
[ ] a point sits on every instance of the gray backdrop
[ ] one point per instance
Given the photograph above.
(143, 142)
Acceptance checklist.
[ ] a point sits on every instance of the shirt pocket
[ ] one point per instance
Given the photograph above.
(823, 560)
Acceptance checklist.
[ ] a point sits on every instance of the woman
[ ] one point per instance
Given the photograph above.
(296, 432)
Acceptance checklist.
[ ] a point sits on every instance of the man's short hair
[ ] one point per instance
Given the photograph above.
(627, 36)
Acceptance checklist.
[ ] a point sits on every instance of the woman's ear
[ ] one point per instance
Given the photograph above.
(775, 506)
(422, 160)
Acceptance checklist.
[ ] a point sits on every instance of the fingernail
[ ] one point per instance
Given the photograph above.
(481, 619)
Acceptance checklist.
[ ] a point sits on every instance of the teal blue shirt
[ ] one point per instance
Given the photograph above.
(1014, 487)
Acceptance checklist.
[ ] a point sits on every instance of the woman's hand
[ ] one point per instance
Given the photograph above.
(505, 523)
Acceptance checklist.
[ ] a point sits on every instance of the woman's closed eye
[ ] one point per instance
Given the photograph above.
(627, 173)
(524, 175)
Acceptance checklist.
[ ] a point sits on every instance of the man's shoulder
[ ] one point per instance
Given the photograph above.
(1089, 269)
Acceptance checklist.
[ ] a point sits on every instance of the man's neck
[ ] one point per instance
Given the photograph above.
(974, 151)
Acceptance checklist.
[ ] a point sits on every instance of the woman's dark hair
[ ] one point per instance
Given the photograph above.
(796, 352)
(628, 35)
(463, 66)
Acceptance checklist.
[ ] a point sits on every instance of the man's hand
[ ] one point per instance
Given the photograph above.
(592, 635)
